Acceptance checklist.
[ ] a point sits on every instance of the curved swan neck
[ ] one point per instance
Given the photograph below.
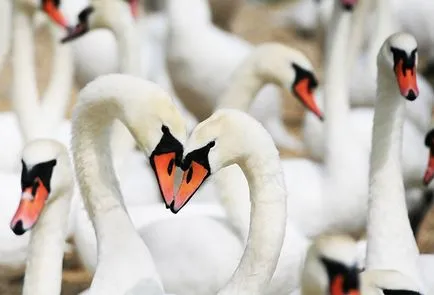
(24, 88)
(336, 89)
(267, 223)
(45, 253)
(123, 259)
(56, 96)
(357, 31)
(128, 38)
(242, 90)
(391, 244)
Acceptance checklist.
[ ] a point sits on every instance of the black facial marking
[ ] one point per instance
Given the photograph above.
(168, 143)
(301, 74)
(429, 138)
(350, 274)
(400, 292)
(408, 62)
(43, 171)
(200, 156)
(55, 2)
(83, 16)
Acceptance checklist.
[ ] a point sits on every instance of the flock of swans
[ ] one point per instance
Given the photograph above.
(247, 221)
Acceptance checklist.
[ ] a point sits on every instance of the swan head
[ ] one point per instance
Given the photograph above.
(429, 143)
(331, 267)
(212, 146)
(46, 172)
(102, 14)
(387, 282)
(397, 60)
(288, 68)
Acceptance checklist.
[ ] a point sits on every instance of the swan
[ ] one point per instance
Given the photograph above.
(202, 70)
(210, 149)
(32, 118)
(392, 254)
(331, 267)
(123, 259)
(47, 188)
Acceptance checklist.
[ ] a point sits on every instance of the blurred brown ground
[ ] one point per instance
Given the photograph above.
(251, 22)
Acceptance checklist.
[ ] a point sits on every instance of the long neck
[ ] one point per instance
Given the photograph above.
(241, 91)
(357, 31)
(336, 90)
(384, 26)
(128, 39)
(267, 224)
(5, 29)
(391, 244)
(24, 88)
(45, 253)
(56, 97)
(123, 258)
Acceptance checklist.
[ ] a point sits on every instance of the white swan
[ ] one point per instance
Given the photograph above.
(5, 29)
(123, 260)
(36, 119)
(202, 69)
(331, 267)
(210, 149)
(392, 254)
(47, 187)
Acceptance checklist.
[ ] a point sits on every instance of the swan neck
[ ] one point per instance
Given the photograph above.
(242, 90)
(57, 94)
(336, 90)
(45, 253)
(126, 34)
(357, 31)
(267, 224)
(123, 258)
(391, 244)
(24, 87)
(384, 26)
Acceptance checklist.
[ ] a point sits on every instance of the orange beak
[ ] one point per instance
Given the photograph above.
(337, 287)
(429, 173)
(134, 4)
(54, 13)
(164, 167)
(304, 93)
(29, 209)
(191, 181)
(407, 81)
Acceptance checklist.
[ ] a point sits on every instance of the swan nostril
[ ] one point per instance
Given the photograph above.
(18, 229)
(411, 95)
(189, 175)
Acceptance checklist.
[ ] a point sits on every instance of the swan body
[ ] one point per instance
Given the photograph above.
(203, 70)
